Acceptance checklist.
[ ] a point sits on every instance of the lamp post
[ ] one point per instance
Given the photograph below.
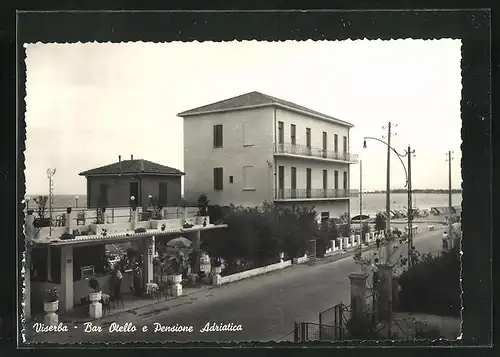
(76, 201)
(360, 201)
(409, 152)
(50, 175)
(27, 200)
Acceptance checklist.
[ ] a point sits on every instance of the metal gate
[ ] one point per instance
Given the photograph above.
(334, 320)
(311, 250)
(310, 331)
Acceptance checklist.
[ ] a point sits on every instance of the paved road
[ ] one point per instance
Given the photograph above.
(265, 306)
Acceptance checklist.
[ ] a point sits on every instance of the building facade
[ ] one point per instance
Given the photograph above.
(255, 148)
(114, 184)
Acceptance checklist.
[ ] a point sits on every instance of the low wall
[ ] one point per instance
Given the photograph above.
(301, 260)
(254, 272)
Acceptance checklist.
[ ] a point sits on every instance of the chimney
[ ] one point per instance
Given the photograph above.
(120, 161)
(142, 165)
(131, 157)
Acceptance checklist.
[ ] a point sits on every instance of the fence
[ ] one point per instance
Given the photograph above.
(84, 216)
(310, 331)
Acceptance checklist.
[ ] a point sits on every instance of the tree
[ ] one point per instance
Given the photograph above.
(380, 222)
(203, 203)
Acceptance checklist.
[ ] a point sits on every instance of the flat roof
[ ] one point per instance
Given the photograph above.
(123, 236)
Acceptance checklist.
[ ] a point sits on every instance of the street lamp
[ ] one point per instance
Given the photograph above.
(27, 200)
(76, 201)
(408, 153)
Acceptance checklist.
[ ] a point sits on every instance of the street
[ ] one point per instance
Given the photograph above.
(265, 306)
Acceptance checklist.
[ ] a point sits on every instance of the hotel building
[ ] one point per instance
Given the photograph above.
(255, 148)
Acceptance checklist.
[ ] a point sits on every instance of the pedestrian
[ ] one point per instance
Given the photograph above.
(377, 241)
(117, 282)
(445, 240)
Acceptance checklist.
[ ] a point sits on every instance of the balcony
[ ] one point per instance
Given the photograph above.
(320, 154)
(310, 194)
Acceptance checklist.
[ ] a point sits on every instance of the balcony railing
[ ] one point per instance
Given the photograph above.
(301, 150)
(290, 193)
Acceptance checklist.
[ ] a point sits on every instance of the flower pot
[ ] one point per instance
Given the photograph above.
(177, 278)
(216, 270)
(51, 306)
(95, 296)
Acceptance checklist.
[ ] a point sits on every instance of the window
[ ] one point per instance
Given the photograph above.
(336, 180)
(345, 144)
(162, 193)
(231, 179)
(218, 142)
(325, 216)
(308, 137)
(325, 143)
(335, 142)
(308, 183)
(218, 178)
(281, 132)
(325, 179)
(293, 182)
(293, 135)
(345, 180)
(248, 178)
(103, 195)
(281, 181)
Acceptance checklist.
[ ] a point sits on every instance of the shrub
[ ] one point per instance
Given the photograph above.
(94, 284)
(203, 202)
(432, 285)
(140, 230)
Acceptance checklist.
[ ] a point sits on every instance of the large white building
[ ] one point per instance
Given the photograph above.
(255, 148)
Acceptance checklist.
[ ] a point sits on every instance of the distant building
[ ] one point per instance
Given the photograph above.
(254, 148)
(114, 184)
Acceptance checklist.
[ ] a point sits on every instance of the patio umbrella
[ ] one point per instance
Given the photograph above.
(180, 242)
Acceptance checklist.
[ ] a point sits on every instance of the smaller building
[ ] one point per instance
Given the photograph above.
(113, 185)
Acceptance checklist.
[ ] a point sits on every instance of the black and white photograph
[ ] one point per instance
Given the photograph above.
(243, 191)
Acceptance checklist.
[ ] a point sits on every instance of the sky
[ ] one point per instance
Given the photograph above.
(88, 103)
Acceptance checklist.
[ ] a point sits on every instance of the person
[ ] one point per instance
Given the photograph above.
(377, 241)
(117, 282)
(445, 240)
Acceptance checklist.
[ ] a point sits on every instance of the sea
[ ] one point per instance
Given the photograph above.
(372, 202)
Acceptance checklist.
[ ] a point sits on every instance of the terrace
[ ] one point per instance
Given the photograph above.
(311, 194)
(291, 150)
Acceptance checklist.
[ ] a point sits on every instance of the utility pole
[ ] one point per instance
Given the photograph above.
(388, 188)
(450, 237)
(361, 201)
(410, 209)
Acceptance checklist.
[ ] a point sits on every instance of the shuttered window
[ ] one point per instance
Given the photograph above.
(218, 142)
(162, 193)
(218, 181)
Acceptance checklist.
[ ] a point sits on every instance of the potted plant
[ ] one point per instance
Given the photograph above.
(217, 266)
(140, 230)
(187, 225)
(51, 304)
(156, 208)
(176, 267)
(95, 293)
(41, 221)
